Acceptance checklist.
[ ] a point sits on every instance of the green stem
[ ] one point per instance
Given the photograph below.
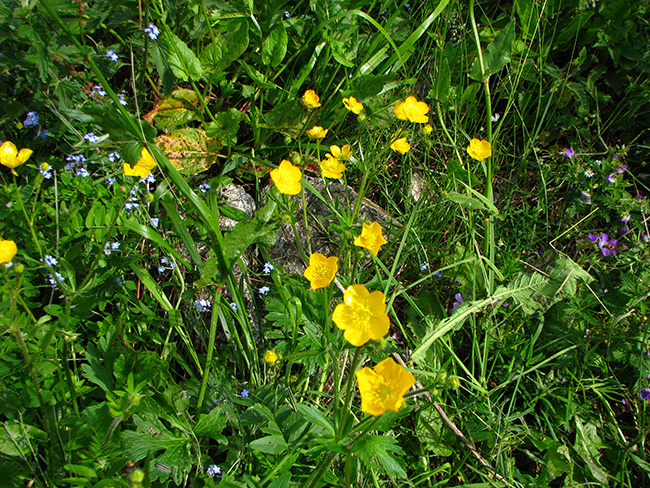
(211, 340)
(356, 360)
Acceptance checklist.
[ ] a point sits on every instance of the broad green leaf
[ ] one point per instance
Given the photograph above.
(260, 80)
(496, 56)
(81, 471)
(271, 444)
(211, 425)
(376, 452)
(229, 45)
(227, 125)
(443, 82)
(182, 60)
(179, 108)
(189, 150)
(274, 48)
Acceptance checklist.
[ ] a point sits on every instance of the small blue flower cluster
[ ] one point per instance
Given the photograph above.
(152, 31)
(114, 156)
(131, 203)
(76, 166)
(204, 187)
(424, 266)
(92, 138)
(110, 54)
(202, 305)
(154, 221)
(31, 120)
(268, 267)
(51, 262)
(168, 264)
(98, 90)
(111, 246)
(213, 470)
(264, 290)
(47, 173)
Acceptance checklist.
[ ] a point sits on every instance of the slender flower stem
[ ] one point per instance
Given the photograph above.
(208, 359)
(356, 360)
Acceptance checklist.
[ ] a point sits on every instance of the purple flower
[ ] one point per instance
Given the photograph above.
(459, 300)
(625, 218)
(644, 393)
(569, 153)
(610, 178)
(606, 245)
(586, 198)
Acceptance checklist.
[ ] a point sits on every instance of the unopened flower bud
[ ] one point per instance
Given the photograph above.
(361, 117)
(137, 476)
(453, 383)
(148, 197)
(287, 140)
(19, 268)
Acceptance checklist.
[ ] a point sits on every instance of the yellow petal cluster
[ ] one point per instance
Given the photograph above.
(331, 167)
(287, 178)
(401, 145)
(383, 388)
(11, 157)
(412, 110)
(371, 238)
(317, 132)
(342, 153)
(353, 105)
(321, 270)
(427, 129)
(270, 357)
(310, 99)
(479, 149)
(143, 167)
(8, 250)
(362, 315)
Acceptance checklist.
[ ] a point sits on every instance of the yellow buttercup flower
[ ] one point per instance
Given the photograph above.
(383, 388)
(321, 270)
(11, 157)
(427, 129)
(362, 315)
(8, 250)
(270, 357)
(341, 153)
(353, 105)
(401, 145)
(412, 110)
(332, 167)
(479, 149)
(317, 132)
(371, 238)
(310, 99)
(143, 167)
(287, 178)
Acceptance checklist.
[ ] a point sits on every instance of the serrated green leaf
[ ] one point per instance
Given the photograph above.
(316, 417)
(376, 452)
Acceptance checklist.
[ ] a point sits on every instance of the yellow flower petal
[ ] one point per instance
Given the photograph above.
(353, 105)
(362, 315)
(142, 168)
(401, 145)
(332, 167)
(342, 153)
(10, 157)
(412, 110)
(321, 270)
(371, 238)
(8, 250)
(270, 357)
(287, 178)
(317, 132)
(383, 388)
(310, 99)
(479, 149)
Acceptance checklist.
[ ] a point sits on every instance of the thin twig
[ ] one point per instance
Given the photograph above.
(455, 429)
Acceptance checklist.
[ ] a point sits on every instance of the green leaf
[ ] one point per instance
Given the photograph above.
(496, 56)
(229, 45)
(189, 150)
(316, 417)
(376, 451)
(183, 62)
(271, 444)
(274, 48)
(227, 125)
(367, 86)
(443, 82)
(259, 79)
(179, 108)
(211, 425)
